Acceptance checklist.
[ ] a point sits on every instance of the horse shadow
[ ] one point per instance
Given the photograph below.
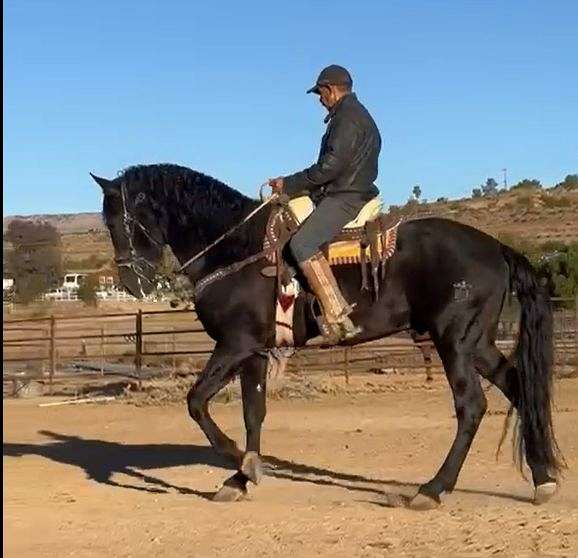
(101, 460)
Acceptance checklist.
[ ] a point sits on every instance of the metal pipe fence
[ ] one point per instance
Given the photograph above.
(44, 345)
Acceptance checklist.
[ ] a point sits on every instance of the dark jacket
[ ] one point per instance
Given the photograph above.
(348, 157)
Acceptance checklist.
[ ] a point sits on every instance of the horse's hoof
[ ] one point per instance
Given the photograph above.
(251, 467)
(230, 493)
(543, 492)
(421, 502)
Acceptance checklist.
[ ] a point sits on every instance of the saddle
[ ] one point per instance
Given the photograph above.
(368, 241)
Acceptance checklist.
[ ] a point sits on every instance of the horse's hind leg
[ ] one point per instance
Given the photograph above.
(495, 367)
(470, 405)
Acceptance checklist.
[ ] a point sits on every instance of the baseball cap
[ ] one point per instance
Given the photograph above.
(332, 75)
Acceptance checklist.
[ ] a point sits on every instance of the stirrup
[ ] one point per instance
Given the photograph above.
(334, 333)
(349, 329)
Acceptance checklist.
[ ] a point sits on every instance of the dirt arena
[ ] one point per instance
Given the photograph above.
(120, 480)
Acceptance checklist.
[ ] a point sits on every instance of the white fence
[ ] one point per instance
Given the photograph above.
(64, 295)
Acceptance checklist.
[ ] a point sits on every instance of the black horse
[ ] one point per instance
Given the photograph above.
(446, 279)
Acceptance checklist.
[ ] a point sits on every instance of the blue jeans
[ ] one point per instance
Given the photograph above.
(325, 223)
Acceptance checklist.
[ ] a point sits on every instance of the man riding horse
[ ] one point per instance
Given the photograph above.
(340, 183)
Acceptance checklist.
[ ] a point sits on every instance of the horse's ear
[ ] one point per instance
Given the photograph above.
(108, 186)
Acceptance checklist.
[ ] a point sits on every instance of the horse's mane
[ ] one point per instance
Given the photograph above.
(196, 202)
(188, 186)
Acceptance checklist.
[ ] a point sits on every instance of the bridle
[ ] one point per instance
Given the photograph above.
(136, 263)
(133, 261)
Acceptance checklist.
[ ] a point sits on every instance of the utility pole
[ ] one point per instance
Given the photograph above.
(505, 171)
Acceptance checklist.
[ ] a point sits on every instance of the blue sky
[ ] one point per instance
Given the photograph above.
(460, 89)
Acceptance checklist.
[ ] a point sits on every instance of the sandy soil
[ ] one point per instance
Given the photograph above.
(119, 480)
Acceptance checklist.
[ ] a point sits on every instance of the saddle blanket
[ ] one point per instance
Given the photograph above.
(342, 252)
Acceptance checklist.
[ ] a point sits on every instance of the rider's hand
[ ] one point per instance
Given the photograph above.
(276, 185)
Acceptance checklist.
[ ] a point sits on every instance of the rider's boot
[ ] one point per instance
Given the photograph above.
(336, 325)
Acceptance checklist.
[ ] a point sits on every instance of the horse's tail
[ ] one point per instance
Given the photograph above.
(534, 359)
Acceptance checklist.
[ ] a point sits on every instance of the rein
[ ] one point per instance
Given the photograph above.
(226, 234)
(134, 261)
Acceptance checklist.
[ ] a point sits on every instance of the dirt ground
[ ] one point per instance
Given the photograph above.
(120, 480)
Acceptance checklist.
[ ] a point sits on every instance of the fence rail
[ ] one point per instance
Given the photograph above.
(50, 342)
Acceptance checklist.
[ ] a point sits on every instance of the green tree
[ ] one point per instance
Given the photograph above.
(566, 280)
(477, 193)
(559, 265)
(527, 184)
(416, 191)
(36, 258)
(88, 289)
(569, 183)
(490, 188)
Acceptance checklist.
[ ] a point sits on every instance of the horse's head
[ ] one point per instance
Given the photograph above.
(136, 233)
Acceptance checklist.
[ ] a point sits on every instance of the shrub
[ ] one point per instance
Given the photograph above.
(36, 260)
(87, 291)
(554, 201)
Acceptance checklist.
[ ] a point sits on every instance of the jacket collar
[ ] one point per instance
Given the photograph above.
(343, 101)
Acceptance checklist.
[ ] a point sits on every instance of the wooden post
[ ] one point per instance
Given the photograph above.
(138, 345)
(564, 337)
(52, 354)
(346, 358)
(102, 351)
(576, 330)
(426, 354)
(174, 356)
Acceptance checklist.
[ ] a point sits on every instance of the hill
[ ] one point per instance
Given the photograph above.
(527, 214)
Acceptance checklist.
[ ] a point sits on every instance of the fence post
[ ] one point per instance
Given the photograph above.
(576, 330)
(174, 350)
(52, 354)
(138, 345)
(102, 351)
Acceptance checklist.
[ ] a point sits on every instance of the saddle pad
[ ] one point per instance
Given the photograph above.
(345, 252)
(302, 207)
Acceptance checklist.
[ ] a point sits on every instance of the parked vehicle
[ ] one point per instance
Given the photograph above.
(72, 281)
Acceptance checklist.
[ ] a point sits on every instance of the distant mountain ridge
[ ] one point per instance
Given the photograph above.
(66, 223)
(532, 215)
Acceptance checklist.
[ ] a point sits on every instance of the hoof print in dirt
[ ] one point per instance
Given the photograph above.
(392, 500)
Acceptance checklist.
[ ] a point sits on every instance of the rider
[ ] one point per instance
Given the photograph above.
(340, 184)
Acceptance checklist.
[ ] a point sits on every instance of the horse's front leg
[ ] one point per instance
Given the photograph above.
(219, 371)
(254, 388)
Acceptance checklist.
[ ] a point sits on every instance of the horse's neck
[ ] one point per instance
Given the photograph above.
(187, 240)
